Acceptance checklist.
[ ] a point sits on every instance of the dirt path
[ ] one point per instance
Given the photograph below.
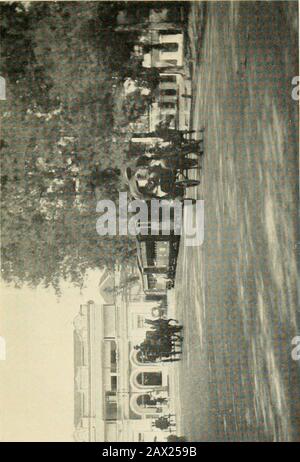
(237, 293)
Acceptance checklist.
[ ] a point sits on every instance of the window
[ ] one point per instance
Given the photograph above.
(150, 378)
(111, 407)
(168, 118)
(167, 105)
(168, 78)
(113, 356)
(148, 253)
(113, 352)
(156, 255)
(141, 358)
(111, 411)
(144, 401)
(111, 396)
(168, 92)
(162, 253)
(170, 32)
(170, 47)
(114, 383)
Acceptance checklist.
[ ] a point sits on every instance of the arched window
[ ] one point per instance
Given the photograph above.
(149, 379)
(140, 357)
(144, 400)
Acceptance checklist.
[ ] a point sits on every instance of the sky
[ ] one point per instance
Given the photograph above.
(36, 378)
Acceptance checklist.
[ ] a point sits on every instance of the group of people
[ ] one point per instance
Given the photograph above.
(162, 342)
(154, 174)
(165, 422)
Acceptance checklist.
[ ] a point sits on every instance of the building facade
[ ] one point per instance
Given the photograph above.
(114, 387)
(166, 53)
(161, 46)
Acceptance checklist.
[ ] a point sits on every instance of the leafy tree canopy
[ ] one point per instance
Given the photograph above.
(60, 130)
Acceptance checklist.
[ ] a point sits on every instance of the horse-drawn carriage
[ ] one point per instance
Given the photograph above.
(162, 174)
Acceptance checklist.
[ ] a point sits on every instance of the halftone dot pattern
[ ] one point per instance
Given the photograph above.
(237, 294)
(68, 118)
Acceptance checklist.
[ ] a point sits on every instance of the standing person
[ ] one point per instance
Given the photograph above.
(166, 133)
(172, 134)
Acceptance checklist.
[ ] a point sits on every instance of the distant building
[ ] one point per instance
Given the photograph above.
(161, 46)
(169, 106)
(171, 17)
(113, 386)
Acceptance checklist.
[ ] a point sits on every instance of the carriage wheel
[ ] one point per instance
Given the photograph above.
(170, 285)
(187, 183)
(190, 163)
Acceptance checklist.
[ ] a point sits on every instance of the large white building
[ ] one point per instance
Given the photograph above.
(161, 46)
(172, 104)
(113, 386)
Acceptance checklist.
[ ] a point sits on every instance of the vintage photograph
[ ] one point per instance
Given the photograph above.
(149, 221)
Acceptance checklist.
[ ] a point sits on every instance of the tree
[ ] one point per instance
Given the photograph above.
(60, 99)
(64, 124)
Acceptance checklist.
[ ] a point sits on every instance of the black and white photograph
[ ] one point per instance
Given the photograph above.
(149, 156)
